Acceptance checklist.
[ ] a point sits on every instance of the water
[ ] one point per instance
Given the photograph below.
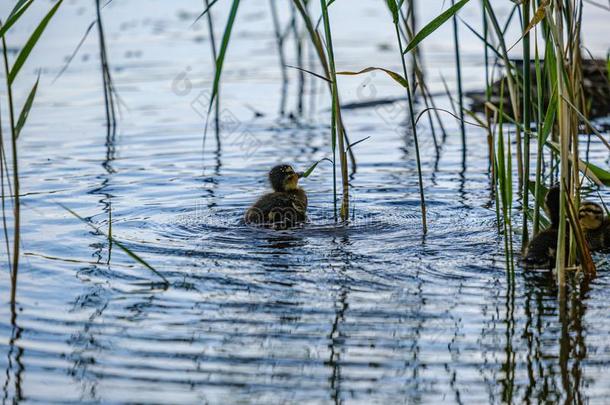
(371, 312)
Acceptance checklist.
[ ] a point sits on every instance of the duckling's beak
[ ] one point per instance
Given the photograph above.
(300, 174)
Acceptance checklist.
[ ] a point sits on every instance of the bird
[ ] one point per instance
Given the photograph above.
(540, 252)
(286, 206)
(595, 225)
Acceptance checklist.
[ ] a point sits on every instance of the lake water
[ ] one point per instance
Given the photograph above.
(369, 312)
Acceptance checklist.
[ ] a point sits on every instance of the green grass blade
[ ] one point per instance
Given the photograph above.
(205, 11)
(15, 15)
(312, 167)
(434, 25)
(25, 111)
(549, 119)
(124, 248)
(601, 174)
(393, 9)
(18, 6)
(482, 38)
(25, 51)
(223, 51)
(351, 145)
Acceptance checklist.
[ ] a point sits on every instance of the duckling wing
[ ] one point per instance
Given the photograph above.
(276, 207)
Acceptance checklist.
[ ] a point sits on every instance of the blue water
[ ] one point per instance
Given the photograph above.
(368, 312)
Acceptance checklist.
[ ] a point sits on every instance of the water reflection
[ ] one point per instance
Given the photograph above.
(15, 367)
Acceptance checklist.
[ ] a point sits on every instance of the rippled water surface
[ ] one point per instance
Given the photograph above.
(369, 312)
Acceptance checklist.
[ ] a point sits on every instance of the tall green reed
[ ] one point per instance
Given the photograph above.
(16, 125)
(214, 50)
(336, 121)
(526, 116)
(338, 134)
(108, 86)
(458, 67)
(394, 9)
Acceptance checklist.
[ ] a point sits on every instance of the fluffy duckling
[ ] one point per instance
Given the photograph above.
(540, 252)
(595, 226)
(286, 206)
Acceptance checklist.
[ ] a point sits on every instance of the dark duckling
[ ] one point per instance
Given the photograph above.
(286, 206)
(540, 252)
(595, 225)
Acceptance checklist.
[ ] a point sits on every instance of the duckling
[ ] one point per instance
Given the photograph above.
(540, 252)
(286, 206)
(595, 226)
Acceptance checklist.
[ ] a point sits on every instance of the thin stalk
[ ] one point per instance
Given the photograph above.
(512, 87)
(106, 78)
(16, 189)
(419, 79)
(422, 198)
(488, 88)
(279, 39)
(3, 196)
(564, 140)
(338, 130)
(298, 42)
(488, 91)
(540, 142)
(526, 118)
(458, 66)
(215, 57)
(416, 52)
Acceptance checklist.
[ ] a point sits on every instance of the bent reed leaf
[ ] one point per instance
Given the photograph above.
(396, 76)
(312, 167)
(124, 248)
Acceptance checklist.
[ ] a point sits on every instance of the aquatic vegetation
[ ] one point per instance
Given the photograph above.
(110, 96)
(16, 125)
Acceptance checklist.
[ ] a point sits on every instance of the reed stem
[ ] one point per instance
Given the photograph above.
(526, 119)
(458, 66)
(564, 140)
(16, 187)
(422, 198)
(338, 130)
(214, 57)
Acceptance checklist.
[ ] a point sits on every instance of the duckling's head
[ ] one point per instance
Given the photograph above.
(284, 178)
(551, 202)
(590, 215)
